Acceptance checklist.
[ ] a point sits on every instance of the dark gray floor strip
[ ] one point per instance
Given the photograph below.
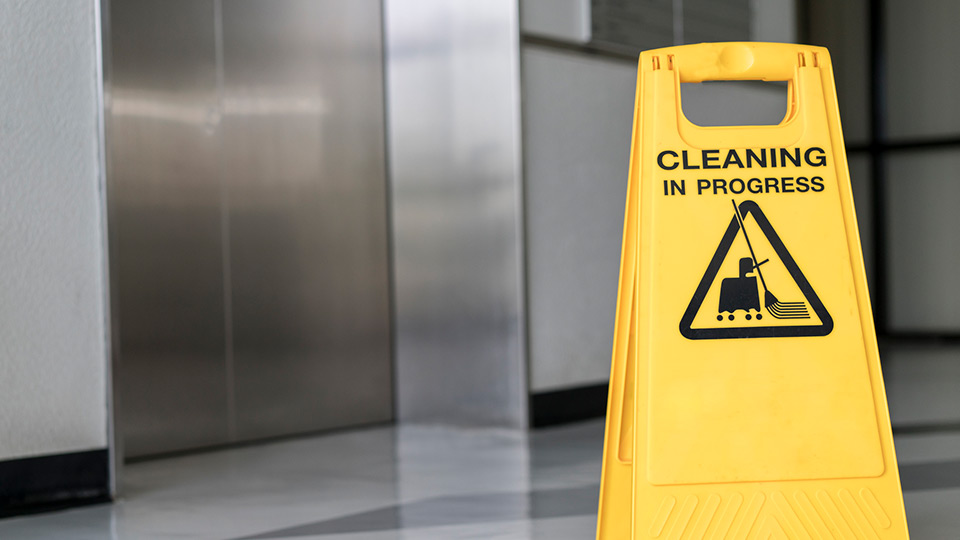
(929, 476)
(924, 429)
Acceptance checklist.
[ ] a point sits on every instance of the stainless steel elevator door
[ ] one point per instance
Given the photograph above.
(303, 155)
(164, 192)
(454, 106)
(248, 208)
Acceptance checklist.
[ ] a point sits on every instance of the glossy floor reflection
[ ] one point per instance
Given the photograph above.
(412, 483)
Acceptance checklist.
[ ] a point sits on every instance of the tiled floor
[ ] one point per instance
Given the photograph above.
(415, 483)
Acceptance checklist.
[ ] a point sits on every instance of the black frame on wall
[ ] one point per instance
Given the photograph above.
(876, 120)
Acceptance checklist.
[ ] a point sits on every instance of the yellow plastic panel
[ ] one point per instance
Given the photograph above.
(746, 399)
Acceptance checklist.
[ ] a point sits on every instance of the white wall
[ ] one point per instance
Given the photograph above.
(53, 358)
(577, 120)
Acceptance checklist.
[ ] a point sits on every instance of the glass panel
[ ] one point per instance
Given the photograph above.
(923, 50)
(923, 251)
(921, 384)
(841, 27)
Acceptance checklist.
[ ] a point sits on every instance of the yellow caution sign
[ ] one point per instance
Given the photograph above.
(746, 399)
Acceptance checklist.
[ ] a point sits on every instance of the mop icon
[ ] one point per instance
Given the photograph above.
(741, 292)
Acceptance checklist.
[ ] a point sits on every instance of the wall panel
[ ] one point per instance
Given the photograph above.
(303, 163)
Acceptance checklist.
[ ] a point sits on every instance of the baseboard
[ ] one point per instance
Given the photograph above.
(558, 407)
(54, 482)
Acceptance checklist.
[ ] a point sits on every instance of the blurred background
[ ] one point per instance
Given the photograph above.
(241, 221)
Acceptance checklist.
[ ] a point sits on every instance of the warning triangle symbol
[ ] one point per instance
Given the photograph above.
(746, 307)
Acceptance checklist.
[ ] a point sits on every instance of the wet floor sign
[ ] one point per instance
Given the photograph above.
(746, 398)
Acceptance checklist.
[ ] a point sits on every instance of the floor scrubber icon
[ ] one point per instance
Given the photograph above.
(741, 292)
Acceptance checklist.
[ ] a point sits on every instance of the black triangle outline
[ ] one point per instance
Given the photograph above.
(710, 275)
